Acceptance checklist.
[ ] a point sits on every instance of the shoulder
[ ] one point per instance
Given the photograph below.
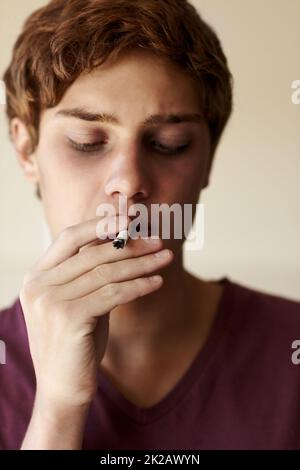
(13, 336)
(14, 342)
(12, 323)
(17, 380)
(262, 326)
(269, 310)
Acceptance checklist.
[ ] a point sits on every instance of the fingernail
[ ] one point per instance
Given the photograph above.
(163, 254)
(155, 279)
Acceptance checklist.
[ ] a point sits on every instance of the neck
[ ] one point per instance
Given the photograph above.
(157, 319)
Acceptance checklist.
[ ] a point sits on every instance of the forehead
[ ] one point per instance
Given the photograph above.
(139, 82)
(135, 88)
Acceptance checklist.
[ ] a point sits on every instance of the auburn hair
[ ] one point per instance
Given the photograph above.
(66, 38)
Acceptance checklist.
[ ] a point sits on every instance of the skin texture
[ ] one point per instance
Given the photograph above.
(68, 290)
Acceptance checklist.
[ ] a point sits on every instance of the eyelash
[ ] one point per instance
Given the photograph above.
(172, 150)
(90, 148)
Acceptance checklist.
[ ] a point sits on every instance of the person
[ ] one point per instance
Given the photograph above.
(126, 349)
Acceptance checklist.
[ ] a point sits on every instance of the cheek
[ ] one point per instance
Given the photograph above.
(67, 196)
(67, 189)
(60, 170)
(185, 179)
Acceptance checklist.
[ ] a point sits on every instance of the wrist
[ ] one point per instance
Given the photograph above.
(54, 409)
(55, 426)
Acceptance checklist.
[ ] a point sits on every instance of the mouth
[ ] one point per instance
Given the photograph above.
(147, 227)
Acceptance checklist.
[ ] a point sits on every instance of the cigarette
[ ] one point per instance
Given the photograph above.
(121, 239)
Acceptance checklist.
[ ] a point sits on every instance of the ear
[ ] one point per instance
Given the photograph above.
(23, 146)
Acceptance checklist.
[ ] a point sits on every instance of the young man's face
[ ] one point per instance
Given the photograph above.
(84, 161)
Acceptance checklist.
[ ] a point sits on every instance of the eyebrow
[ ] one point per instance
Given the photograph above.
(108, 118)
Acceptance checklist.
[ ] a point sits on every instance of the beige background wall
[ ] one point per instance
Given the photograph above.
(252, 206)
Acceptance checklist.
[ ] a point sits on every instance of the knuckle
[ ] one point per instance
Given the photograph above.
(67, 235)
(29, 288)
(29, 276)
(43, 302)
(102, 271)
(87, 256)
(33, 283)
(111, 290)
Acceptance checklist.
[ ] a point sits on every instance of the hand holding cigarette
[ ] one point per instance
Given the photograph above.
(66, 299)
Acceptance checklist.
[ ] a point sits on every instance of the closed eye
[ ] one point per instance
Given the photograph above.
(168, 150)
(89, 147)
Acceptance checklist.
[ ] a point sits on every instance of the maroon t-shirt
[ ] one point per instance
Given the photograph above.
(242, 391)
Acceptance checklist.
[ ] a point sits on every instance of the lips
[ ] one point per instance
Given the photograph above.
(138, 227)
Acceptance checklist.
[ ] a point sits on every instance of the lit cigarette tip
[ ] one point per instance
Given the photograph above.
(121, 239)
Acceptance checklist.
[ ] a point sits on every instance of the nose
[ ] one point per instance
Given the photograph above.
(128, 175)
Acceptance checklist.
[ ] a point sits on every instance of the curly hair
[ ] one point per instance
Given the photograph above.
(66, 38)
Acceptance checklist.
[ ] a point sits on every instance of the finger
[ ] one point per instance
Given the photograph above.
(118, 271)
(110, 296)
(72, 238)
(92, 257)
